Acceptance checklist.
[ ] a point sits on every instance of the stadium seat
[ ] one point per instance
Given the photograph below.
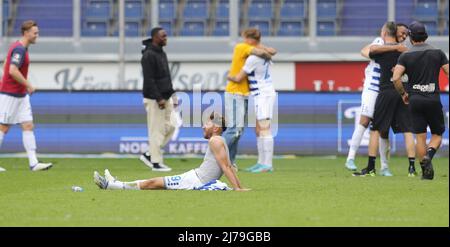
(193, 28)
(99, 9)
(326, 28)
(54, 17)
(223, 9)
(426, 10)
(362, 18)
(404, 10)
(167, 25)
(5, 16)
(167, 9)
(326, 9)
(293, 9)
(132, 28)
(263, 26)
(260, 9)
(431, 27)
(222, 28)
(291, 28)
(196, 9)
(134, 9)
(94, 28)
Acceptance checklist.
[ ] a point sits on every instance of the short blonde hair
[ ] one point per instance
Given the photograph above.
(27, 25)
(252, 33)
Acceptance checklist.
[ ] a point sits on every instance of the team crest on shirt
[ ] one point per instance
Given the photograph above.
(16, 58)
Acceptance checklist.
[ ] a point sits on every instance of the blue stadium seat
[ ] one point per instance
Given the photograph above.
(326, 28)
(196, 9)
(426, 10)
(5, 9)
(260, 9)
(167, 25)
(362, 17)
(431, 27)
(222, 28)
(263, 26)
(193, 28)
(404, 10)
(100, 9)
(293, 9)
(291, 28)
(5, 15)
(134, 9)
(167, 9)
(446, 28)
(54, 17)
(223, 9)
(326, 9)
(132, 28)
(94, 28)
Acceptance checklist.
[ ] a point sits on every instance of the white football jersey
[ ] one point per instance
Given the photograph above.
(373, 71)
(259, 75)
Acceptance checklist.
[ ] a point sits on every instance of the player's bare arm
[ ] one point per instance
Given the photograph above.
(237, 78)
(377, 49)
(17, 75)
(259, 52)
(218, 149)
(397, 78)
(445, 69)
(272, 51)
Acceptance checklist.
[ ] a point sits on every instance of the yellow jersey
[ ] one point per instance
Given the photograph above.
(240, 54)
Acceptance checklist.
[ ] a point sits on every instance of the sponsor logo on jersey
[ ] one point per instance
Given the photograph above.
(16, 58)
(430, 88)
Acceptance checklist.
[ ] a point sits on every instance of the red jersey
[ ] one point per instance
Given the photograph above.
(17, 55)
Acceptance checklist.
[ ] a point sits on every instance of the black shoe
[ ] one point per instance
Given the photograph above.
(365, 172)
(412, 171)
(145, 158)
(160, 167)
(427, 168)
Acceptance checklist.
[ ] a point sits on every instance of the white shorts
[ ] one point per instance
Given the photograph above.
(15, 110)
(368, 99)
(264, 103)
(186, 181)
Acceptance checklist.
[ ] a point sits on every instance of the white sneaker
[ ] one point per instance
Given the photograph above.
(109, 177)
(160, 167)
(145, 158)
(100, 181)
(41, 166)
(2, 169)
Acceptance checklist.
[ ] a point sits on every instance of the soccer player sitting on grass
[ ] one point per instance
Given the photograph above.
(216, 162)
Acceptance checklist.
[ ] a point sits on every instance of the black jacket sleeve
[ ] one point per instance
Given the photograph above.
(150, 89)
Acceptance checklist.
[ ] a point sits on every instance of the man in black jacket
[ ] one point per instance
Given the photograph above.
(159, 98)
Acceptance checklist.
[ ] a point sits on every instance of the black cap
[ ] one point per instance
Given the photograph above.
(417, 29)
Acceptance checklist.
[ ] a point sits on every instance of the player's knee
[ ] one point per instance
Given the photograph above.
(28, 126)
(364, 121)
(384, 135)
(264, 128)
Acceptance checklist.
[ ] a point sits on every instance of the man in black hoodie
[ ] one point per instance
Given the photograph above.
(159, 98)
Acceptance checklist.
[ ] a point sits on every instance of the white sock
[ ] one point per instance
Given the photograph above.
(29, 143)
(117, 185)
(356, 141)
(259, 143)
(267, 149)
(2, 135)
(384, 152)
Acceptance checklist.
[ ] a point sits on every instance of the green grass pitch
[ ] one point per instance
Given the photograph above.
(305, 191)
